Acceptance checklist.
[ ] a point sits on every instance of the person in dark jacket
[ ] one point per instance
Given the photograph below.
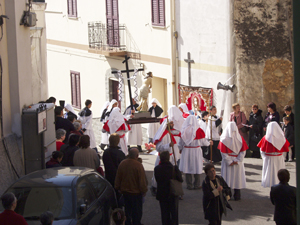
(289, 135)
(168, 203)
(61, 123)
(255, 133)
(112, 157)
(283, 196)
(55, 160)
(272, 115)
(69, 150)
(288, 112)
(214, 188)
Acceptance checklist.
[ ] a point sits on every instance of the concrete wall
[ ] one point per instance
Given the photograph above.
(263, 53)
(39, 54)
(18, 88)
(205, 30)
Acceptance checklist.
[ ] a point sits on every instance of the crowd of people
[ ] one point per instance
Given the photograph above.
(183, 144)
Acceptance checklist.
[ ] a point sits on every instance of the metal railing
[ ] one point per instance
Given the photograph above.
(108, 38)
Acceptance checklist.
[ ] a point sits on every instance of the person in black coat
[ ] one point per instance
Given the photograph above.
(214, 189)
(288, 112)
(168, 203)
(289, 135)
(61, 123)
(69, 150)
(283, 196)
(255, 133)
(55, 160)
(112, 157)
(272, 115)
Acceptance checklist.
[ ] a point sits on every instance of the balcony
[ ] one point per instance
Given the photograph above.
(111, 41)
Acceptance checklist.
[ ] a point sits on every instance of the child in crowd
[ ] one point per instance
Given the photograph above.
(289, 135)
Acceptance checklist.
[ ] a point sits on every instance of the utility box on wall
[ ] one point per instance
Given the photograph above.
(38, 135)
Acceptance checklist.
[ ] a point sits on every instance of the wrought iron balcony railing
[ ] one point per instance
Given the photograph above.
(114, 41)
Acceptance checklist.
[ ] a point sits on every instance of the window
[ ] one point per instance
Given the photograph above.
(158, 12)
(112, 22)
(72, 8)
(85, 195)
(75, 89)
(98, 183)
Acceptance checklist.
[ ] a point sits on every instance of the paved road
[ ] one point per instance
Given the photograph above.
(254, 208)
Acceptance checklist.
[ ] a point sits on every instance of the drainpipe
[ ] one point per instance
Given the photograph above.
(174, 52)
(296, 67)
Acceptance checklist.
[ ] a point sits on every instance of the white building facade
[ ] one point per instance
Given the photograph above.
(205, 31)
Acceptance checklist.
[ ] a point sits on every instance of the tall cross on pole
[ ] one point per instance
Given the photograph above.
(189, 61)
(127, 71)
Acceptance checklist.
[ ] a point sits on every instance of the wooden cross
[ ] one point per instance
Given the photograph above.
(128, 80)
(189, 61)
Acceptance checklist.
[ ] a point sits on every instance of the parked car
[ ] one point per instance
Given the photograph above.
(75, 195)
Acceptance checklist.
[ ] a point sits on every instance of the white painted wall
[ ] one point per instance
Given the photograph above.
(204, 29)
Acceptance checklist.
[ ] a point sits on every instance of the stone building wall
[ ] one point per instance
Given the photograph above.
(263, 53)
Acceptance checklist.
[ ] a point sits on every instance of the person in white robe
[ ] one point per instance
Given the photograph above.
(164, 142)
(184, 109)
(155, 111)
(104, 134)
(203, 125)
(113, 103)
(233, 149)
(116, 123)
(86, 118)
(69, 110)
(216, 122)
(135, 135)
(272, 146)
(175, 115)
(191, 161)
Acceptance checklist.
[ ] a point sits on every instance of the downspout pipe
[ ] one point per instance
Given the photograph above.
(174, 52)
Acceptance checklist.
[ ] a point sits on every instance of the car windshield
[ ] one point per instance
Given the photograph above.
(32, 202)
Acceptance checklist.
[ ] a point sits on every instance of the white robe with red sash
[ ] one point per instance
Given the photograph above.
(116, 123)
(233, 149)
(163, 144)
(272, 145)
(191, 160)
(233, 175)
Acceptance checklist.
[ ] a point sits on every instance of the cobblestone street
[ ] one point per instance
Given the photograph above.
(254, 208)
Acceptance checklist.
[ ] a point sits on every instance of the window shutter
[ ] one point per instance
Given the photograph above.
(158, 12)
(161, 8)
(75, 89)
(78, 95)
(154, 12)
(112, 23)
(72, 8)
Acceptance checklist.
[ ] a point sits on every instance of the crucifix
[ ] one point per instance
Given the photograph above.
(189, 61)
(127, 71)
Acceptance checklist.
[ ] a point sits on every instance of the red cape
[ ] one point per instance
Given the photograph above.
(267, 147)
(162, 136)
(122, 127)
(185, 115)
(224, 149)
(163, 119)
(199, 134)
